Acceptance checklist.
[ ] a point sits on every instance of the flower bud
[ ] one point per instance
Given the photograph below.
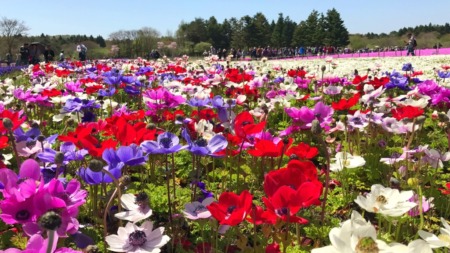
(50, 221)
(434, 115)
(96, 165)
(141, 199)
(59, 158)
(315, 127)
(151, 126)
(7, 123)
(34, 125)
(125, 180)
(323, 68)
(92, 249)
(41, 138)
(412, 182)
(70, 122)
(442, 117)
(420, 120)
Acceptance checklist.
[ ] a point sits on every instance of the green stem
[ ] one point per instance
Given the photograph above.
(420, 208)
(51, 240)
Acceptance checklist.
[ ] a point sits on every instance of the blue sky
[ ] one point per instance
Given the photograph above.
(98, 17)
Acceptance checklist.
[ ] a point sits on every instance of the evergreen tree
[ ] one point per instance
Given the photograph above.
(261, 30)
(288, 32)
(336, 33)
(214, 34)
(277, 33)
(100, 41)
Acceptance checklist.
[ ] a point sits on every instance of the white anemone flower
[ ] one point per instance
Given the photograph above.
(132, 238)
(197, 210)
(386, 201)
(354, 235)
(346, 160)
(443, 240)
(136, 206)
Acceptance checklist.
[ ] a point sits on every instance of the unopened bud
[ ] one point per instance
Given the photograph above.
(92, 249)
(50, 221)
(315, 127)
(151, 126)
(70, 122)
(59, 158)
(96, 165)
(41, 138)
(7, 123)
(443, 117)
(141, 199)
(420, 120)
(412, 182)
(125, 180)
(323, 68)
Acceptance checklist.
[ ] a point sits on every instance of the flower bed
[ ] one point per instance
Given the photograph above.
(321, 155)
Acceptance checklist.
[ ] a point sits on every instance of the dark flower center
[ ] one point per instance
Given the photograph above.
(22, 215)
(198, 209)
(357, 121)
(31, 144)
(231, 209)
(282, 211)
(201, 142)
(137, 238)
(141, 199)
(166, 142)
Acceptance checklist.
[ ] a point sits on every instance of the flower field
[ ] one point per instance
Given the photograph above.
(300, 155)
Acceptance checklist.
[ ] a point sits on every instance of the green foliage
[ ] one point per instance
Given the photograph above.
(199, 48)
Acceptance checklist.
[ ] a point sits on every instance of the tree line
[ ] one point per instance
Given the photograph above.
(247, 32)
(198, 35)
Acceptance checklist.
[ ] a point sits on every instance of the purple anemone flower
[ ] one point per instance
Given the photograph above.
(68, 149)
(125, 155)
(203, 147)
(407, 67)
(95, 178)
(107, 92)
(76, 105)
(30, 135)
(398, 81)
(443, 74)
(198, 102)
(166, 143)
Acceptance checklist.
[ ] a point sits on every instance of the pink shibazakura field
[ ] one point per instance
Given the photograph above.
(321, 155)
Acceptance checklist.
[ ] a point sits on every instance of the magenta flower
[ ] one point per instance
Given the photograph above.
(304, 116)
(426, 205)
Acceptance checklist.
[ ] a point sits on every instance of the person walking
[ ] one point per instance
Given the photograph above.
(82, 51)
(24, 54)
(411, 45)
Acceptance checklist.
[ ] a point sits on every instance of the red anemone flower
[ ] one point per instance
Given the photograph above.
(303, 151)
(346, 104)
(446, 190)
(244, 125)
(268, 148)
(3, 142)
(409, 112)
(51, 93)
(206, 114)
(15, 118)
(294, 175)
(231, 209)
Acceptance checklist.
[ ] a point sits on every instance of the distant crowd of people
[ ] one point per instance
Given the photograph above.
(31, 54)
